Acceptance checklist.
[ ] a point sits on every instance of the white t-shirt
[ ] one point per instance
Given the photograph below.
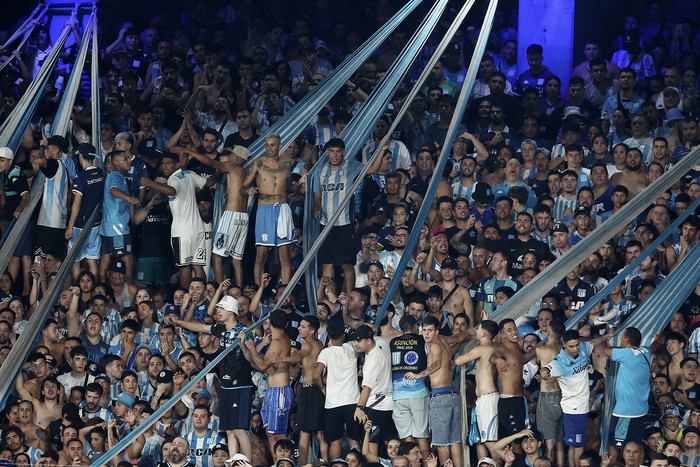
(183, 206)
(376, 374)
(68, 381)
(341, 379)
(572, 375)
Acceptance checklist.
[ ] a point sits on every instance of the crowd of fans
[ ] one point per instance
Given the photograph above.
(191, 249)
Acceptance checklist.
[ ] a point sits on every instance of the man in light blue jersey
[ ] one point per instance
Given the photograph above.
(333, 180)
(116, 213)
(53, 213)
(631, 390)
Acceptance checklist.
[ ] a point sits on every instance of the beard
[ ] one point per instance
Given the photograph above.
(634, 168)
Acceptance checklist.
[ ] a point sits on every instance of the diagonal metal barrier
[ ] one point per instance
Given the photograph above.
(581, 313)
(545, 281)
(460, 108)
(23, 346)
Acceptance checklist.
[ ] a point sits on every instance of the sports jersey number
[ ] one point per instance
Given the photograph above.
(201, 254)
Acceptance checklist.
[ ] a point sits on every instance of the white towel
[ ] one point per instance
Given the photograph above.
(285, 225)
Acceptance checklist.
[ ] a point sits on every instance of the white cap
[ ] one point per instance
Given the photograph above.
(6, 153)
(229, 303)
(486, 460)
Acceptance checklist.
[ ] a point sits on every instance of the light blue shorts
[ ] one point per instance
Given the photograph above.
(266, 222)
(91, 248)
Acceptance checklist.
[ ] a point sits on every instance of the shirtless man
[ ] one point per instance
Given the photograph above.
(279, 395)
(273, 225)
(486, 388)
(39, 366)
(549, 403)
(509, 360)
(445, 408)
(231, 234)
(634, 177)
(455, 298)
(310, 413)
(30, 429)
(47, 407)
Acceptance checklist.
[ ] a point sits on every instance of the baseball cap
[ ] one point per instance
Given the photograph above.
(560, 227)
(571, 110)
(219, 447)
(165, 376)
(486, 460)
(339, 460)
(529, 141)
(60, 141)
(126, 399)
(671, 410)
(228, 303)
(242, 152)
(103, 377)
(203, 393)
(117, 266)
(286, 459)
(582, 211)
(86, 150)
(318, 463)
(448, 263)
(172, 310)
(6, 153)
(363, 332)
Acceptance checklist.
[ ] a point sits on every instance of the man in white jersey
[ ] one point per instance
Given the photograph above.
(333, 180)
(53, 214)
(188, 230)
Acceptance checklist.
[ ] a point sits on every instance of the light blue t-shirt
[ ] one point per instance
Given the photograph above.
(115, 212)
(632, 386)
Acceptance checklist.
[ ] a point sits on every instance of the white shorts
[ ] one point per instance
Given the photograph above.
(231, 235)
(190, 249)
(487, 416)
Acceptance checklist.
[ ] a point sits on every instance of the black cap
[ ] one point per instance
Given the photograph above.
(165, 376)
(117, 266)
(220, 447)
(60, 141)
(86, 150)
(560, 227)
(364, 332)
(448, 263)
(582, 211)
(204, 195)
(482, 193)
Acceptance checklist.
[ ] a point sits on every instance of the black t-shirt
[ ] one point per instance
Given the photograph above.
(154, 229)
(238, 140)
(15, 184)
(234, 369)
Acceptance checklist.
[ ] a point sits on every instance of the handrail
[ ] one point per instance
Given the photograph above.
(576, 318)
(292, 123)
(20, 351)
(545, 281)
(145, 425)
(460, 108)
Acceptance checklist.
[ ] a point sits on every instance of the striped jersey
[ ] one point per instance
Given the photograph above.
(54, 211)
(318, 135)
(333, 184)
(400, 155)
(104, 413)
(200, 447)
(461, 191)
(561, 204)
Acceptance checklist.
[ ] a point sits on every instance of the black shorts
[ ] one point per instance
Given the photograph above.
(310, 411)
(116, 246)
(49, 240)
(339, 246)
(340, 418)
(234, 408)
(513, 415)
(383, 420)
